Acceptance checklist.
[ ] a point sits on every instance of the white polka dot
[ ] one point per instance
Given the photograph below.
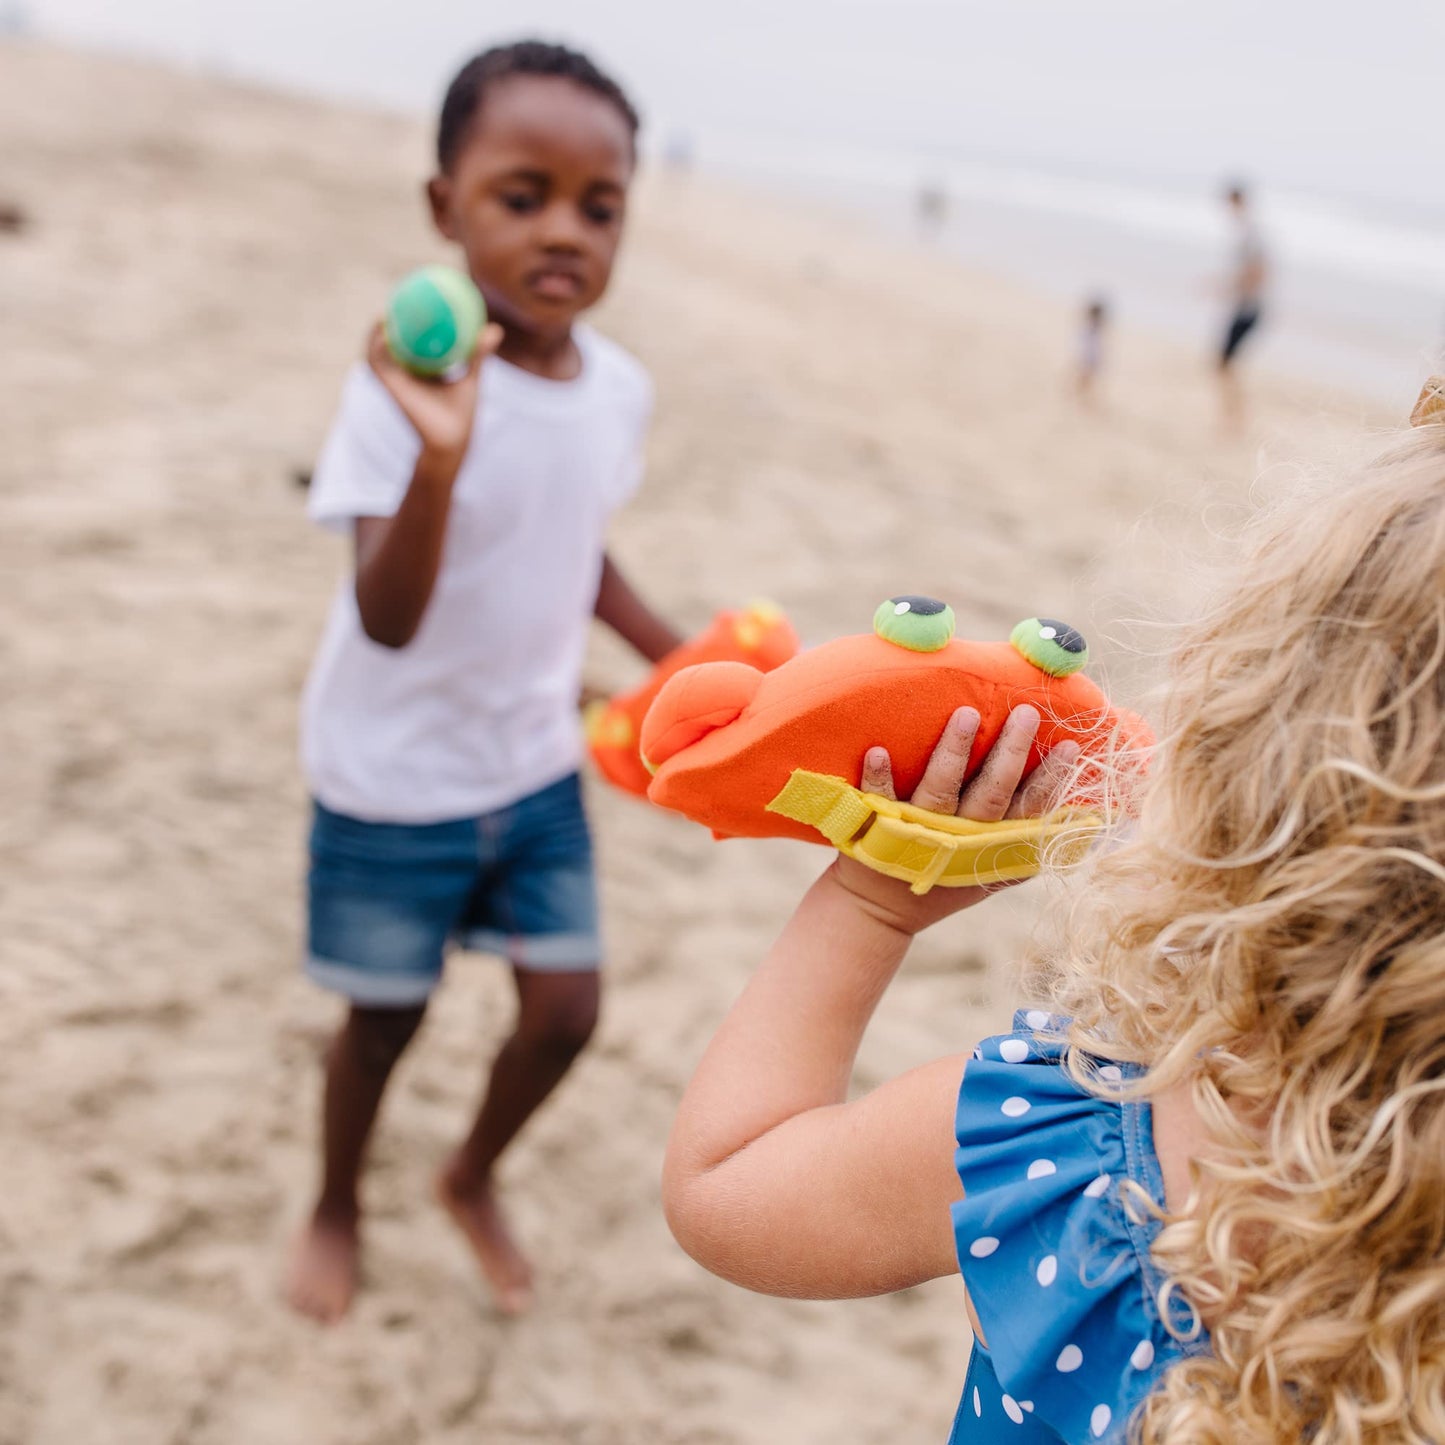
(1070, 1358)
(1027, 1405)
(1097, 1187)
(1013, 1051)
(977, 1403)
(1015, 1106)
(1036, 1018)
(978, 1053)
(1011, 1409)
(1112, 1072)
(899, 608)
(982, 1247)
(1048, 632)
(1143, 1355)
(1099, 1420)
(1042, 1168)
(1048, 1270)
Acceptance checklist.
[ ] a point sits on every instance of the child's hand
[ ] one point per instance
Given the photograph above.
(998, 790)
(441, 411)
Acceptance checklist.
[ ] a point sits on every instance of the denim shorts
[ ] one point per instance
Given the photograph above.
(386, 899)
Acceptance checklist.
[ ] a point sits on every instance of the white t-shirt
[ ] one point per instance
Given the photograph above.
(480, 708)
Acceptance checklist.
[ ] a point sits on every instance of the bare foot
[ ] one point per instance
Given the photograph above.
(321, 1279)
(479, 1217)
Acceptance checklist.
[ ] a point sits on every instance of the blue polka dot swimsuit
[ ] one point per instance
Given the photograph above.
(1054, 1250)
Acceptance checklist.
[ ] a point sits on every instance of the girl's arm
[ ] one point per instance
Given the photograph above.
(397, 557)
(630, 617)
(772, 1179)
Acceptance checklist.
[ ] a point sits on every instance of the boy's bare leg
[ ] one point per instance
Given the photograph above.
(556, 1015)
(321, 1279)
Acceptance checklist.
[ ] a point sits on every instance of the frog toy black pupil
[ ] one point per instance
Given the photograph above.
(1062, 635)
(920, 606)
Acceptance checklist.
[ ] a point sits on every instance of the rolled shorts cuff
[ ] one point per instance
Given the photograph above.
(538, 952)
(372, 988)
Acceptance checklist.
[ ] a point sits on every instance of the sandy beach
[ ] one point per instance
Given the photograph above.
(839, 418)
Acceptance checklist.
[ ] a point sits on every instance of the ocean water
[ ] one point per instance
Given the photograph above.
(1357, 290)
(1079, 147)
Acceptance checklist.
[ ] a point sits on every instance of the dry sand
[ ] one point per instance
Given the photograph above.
(839, 418)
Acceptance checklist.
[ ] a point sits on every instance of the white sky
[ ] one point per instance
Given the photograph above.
(1336, 95)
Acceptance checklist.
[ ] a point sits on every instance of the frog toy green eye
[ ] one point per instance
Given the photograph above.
(1052, 646)
(921, 624)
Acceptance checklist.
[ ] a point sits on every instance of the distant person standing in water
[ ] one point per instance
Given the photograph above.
(1246, 292)
(930, 206)
(1091, 347)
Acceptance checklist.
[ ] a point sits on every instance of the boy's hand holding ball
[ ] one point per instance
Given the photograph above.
(428, 352)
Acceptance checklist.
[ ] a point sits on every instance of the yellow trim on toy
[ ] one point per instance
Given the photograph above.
(592, 715)
(754, 623)
(606, 726)
(924, 849)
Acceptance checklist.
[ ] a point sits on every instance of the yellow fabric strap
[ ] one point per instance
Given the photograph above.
(926, 849)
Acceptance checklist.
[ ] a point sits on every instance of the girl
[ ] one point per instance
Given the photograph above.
(1204, 1189)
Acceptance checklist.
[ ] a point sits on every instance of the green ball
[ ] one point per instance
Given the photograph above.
(433, 320)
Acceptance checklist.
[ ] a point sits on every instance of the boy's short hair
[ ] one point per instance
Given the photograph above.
(465, 94)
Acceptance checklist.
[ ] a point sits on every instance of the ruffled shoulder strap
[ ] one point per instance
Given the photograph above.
(1054, 1234)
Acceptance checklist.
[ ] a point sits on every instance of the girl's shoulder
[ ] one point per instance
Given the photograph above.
(1063, 1196)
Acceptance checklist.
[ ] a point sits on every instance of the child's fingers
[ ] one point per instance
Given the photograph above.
(487, 344)
(1044, 787)
(376, 352)
(988, 796)
(943, 777)
(392, 374)
(489, 341)
(877, 773)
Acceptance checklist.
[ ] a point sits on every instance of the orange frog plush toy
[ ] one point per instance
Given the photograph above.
(776, 755)
(760, 636)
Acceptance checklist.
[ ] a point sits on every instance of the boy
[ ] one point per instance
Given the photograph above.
(440, 737)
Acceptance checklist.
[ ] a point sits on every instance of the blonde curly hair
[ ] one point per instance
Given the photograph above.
(1272, 931)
